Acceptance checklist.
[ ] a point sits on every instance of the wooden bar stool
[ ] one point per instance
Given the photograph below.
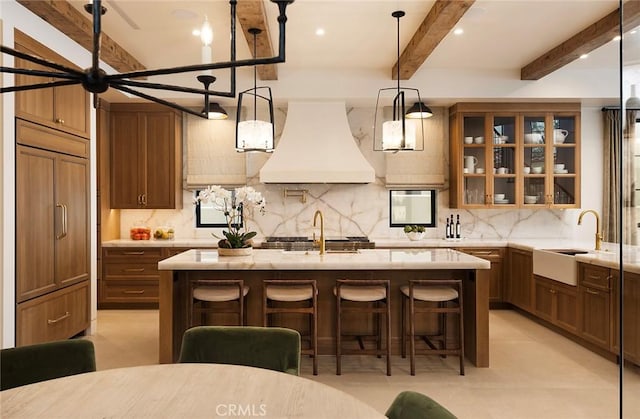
(375, 293)
(443, 292)
(292, 291)
(207, 293)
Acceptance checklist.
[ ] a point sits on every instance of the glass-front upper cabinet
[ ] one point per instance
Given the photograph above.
(474, 160)
(523, 155)
(565, 164)
(535, 190)
(503, 155)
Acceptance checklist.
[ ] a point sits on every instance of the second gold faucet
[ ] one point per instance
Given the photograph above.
(321, 241)
(598, 244)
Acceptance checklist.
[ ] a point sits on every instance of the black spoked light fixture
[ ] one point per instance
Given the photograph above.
(211, 110)
(403, 130)
(255, 134)
(96, 80)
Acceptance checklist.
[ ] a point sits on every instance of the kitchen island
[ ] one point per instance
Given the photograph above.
(397, 265)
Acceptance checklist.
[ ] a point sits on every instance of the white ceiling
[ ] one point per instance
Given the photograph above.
(359, 47)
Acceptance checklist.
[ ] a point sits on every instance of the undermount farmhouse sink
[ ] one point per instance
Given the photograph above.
(557, 264)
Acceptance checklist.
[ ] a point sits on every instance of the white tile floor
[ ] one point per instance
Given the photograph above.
(534, 374)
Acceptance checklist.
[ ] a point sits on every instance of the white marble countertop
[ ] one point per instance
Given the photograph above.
(365, 259)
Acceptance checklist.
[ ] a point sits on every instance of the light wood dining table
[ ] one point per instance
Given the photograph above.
(182, 391)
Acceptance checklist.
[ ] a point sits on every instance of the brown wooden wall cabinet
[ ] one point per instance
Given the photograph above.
(492, 143)
(146, 157)
(64, 108)
(52, 233)
(495, 255)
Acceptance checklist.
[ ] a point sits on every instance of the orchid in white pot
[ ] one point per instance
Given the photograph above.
(232, 205)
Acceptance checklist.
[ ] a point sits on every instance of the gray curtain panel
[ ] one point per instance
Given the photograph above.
(619, 141)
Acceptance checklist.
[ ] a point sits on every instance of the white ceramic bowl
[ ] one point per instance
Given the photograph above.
(558, 167)
(479, 170)
(526, 170)
(498, 197)
(533, 138)
(468, 140)
(536, 169)
(530, 199)
(478, 140)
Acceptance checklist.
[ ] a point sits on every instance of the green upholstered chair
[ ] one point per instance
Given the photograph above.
(45, 361)
(412, 405)
(272, 348)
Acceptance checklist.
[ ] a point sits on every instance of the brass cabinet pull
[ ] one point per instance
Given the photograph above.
(134, 270)
(552, 291)
(143, 200)
(485, 253)
(138, 292)
(60, 120)
(593, 292)
(141, 252)
(54, 321)
(63, 221)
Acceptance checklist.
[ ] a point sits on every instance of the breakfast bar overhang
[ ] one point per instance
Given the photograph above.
(397, 265)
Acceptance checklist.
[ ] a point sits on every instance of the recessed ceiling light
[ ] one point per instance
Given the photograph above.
(458, 31)
(195, 32)
(617, 38)
(583, 56)
(320, 32)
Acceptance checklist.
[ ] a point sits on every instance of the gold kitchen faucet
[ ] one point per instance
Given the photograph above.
(598, 231)
(321, 240)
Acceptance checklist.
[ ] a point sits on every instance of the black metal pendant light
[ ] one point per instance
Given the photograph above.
(96, 80)
(399, 132)
(419, 111)
(254, 134)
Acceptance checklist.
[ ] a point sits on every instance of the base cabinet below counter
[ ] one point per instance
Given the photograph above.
(130, 276)
(495, 255)
(557, 303)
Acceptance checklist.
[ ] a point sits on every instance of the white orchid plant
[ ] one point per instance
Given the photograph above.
(232, 205)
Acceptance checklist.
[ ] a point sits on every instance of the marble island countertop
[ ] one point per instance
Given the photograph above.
(608, 258)
(365, 259)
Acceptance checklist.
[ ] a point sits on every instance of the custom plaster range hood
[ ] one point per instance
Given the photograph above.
(317, 146)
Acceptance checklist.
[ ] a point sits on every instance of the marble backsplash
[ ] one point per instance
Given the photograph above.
(363, 210)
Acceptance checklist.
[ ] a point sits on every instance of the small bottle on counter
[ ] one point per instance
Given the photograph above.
(447, 230)
(458, 226)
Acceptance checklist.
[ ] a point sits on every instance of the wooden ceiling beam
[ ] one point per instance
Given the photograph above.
(70, 21)
(585, 41)
(251, 14)
(443, 16)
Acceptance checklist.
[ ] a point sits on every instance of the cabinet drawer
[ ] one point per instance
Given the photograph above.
(484, 253)
(131, 270)
(56, 316)
(133, 253)
(596, 277)
(130, 291)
